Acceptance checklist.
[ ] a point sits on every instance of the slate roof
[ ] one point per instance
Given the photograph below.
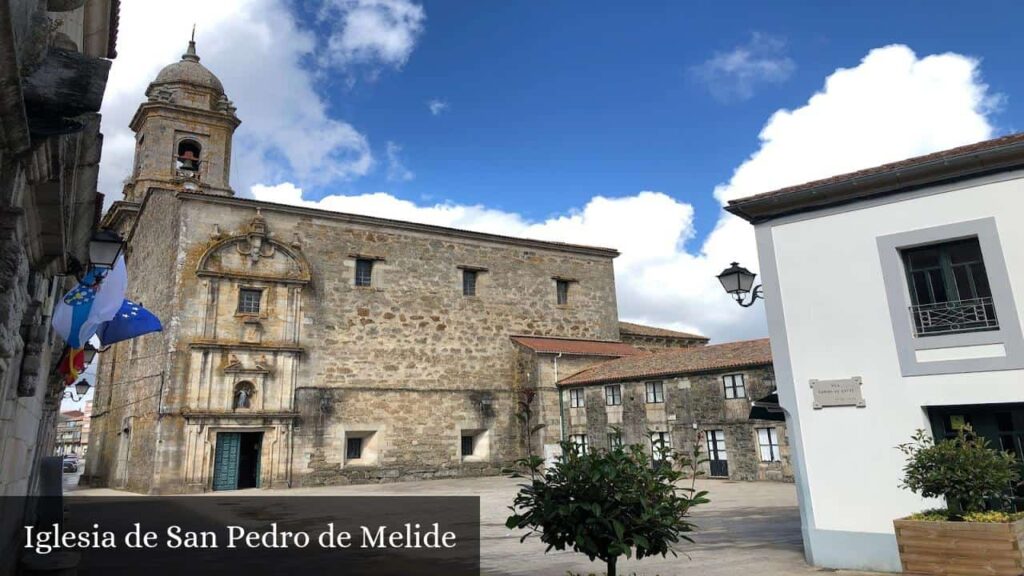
(575, 347)
(643, 330)
(743, 354)
(988, 156)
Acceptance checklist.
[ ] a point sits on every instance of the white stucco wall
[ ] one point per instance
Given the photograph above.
(829, 318)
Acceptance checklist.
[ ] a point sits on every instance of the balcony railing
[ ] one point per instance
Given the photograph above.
(954, 317)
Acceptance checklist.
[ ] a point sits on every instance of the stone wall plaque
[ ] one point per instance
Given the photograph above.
(846, 392)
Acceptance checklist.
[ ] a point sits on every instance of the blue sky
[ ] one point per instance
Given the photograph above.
(609, 123)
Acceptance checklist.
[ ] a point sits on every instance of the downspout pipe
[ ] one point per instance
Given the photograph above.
(561, 400)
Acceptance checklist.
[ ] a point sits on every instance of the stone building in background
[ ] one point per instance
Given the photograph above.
(677, 397)
(54, 59)
(652, 339)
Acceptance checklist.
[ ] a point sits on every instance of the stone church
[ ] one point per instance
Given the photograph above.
(307, 347)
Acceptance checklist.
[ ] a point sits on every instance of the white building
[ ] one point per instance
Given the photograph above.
(902, 283)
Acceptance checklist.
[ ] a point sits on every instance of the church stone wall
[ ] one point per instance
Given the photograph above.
(409, 363)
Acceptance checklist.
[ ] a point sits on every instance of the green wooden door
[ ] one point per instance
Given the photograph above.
(225, 464)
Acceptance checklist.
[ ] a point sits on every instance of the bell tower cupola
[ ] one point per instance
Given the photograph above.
(183, 132)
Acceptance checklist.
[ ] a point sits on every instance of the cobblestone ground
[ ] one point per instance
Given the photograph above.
(749, 528)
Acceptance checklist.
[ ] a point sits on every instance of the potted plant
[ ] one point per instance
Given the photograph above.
(977, 532)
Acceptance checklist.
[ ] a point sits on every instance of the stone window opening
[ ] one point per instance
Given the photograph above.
(614, 439)
(474, 445)
(576, 398)
(242, 398)
(361, 447)
(249, 300)
(655, 392)
(613, 395)
(562, 292)
(661, 445)
(188, 156)
(735, 386)
(353, 448)
(768, 442)
(364, 272)
(469, 278)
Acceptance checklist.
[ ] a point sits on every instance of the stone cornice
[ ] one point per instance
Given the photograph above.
(234, 345)
(402, 225)
(238, 415)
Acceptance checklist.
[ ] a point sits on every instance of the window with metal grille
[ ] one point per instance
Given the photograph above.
(364, 272)
(469, 282)
(949, 289)
(562, 291)
(655, 392)
(735, 386)
(579, 441)
(467, 445)
(576, 399)
(249, 301)
(613, 395)
(354, 448)
(768, 441)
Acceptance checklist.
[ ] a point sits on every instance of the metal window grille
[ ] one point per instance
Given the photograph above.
(949, 288)
(364, 272)
(354, 448)
(613, 395)
(469, 282)
(467, 445)
(576, 398)
(249, 301)
(655, 392)
(735, 386)
(954, 317)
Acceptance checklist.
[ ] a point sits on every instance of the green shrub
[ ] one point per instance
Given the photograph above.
(964, 470)
(608, 503)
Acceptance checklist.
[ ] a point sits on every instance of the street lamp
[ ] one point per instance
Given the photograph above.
(88, 353)
(737, 281)
(82, 387)
(104, 248)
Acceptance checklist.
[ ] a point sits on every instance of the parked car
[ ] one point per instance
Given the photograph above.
(70, 463)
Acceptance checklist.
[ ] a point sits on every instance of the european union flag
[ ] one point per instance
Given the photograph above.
(130, 321)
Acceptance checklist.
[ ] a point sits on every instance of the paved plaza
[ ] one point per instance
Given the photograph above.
(748, 528)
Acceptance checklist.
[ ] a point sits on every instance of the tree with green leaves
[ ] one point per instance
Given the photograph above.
(964, 470)
(608, 503)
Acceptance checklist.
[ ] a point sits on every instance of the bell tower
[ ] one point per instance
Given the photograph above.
(183, 132)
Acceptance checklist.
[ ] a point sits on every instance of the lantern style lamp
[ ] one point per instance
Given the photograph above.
(80, 388)
(104, 248)
(738, 281)
(89, 353)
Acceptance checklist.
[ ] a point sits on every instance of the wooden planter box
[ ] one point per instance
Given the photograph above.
(960, 548)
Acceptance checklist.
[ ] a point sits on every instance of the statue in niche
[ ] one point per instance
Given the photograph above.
(244, 391)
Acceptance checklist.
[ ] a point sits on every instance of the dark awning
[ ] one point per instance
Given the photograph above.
(767, 408)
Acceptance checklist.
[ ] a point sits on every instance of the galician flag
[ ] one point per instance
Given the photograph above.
(92, 302)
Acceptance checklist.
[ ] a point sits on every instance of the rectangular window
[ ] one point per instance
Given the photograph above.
(655, 392)
(562, 292)
(613, 395)
(949, 289)
(353, 448)
(364, 272)
(768, 440)
(469, 282)
(249, 301)
(467, 445)
(576, 398)
(661, 445)
(579, 441)
(735, 386)
(614, 440)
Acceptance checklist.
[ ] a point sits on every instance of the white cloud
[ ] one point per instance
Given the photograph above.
(437, 106)
(258, 51)
(734, 75)
(373, 31)
(892, 105)
(397, 172)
